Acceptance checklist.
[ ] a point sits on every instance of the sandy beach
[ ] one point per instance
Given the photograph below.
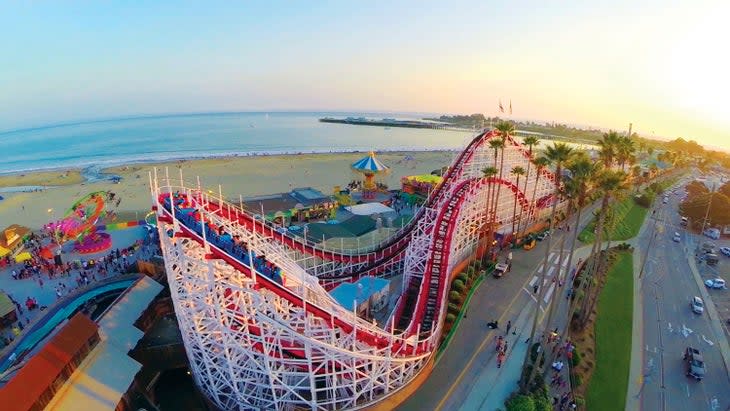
(246, 176)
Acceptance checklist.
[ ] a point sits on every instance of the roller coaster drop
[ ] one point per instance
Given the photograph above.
(259, 326)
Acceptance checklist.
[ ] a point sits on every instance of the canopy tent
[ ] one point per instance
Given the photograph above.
(23, 257)
(3, 251)
(369, 209)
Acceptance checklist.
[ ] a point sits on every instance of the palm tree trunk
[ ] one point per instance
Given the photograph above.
(541, 288)
(527, 179)
(514, 209)
(533, 204)
(568, 277)
(595, 264)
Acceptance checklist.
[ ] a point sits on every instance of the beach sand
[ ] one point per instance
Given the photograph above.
(248, 176)
(42, 178)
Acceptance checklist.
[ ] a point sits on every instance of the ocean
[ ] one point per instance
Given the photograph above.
(104, 143)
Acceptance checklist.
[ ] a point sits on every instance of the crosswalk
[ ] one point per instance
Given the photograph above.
(551, 279)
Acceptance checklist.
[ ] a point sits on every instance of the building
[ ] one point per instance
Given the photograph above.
(12, 239)
(368, 294)
(86, 365)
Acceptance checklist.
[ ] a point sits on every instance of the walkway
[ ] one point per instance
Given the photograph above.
(466, 376)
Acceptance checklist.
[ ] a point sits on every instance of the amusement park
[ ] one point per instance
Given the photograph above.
(338, 301)
(439, 293)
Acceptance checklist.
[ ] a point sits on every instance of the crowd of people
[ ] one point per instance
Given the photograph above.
(63, 277)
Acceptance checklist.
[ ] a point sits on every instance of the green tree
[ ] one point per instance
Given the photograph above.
(520, 403)
(696, 207)
(558, 155)
(636, 176)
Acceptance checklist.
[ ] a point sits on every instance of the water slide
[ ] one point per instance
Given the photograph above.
(55, 315)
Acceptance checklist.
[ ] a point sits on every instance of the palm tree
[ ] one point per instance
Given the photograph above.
(583, 173)
(517, 171)
(625, 148)
(611, 183)
(497, 145)
(530, 142)
(609, 148)
(558, 154)
(540, 164)
(636, 176)
(489, 172)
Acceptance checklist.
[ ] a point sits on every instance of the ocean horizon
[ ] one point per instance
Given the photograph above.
(102, 143)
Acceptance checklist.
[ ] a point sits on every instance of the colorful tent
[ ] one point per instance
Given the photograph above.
(369, 164)
(369, 167)
(23, 257)
(3, 251)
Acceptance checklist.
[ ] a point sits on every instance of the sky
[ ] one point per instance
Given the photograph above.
(662, 65)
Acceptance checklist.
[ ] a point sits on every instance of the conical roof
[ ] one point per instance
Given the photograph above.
(369, 164)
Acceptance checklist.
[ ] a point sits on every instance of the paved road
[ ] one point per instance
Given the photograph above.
(669, 325)
(466, 373)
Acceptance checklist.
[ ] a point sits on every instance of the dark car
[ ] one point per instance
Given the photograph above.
(694, 363)
(543, 235)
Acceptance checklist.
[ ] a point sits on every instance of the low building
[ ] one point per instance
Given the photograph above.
(366, 295)
(37, 383)
(12, 239)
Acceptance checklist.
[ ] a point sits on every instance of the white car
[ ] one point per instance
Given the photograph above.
(717, 283)
(677, 238)
(725, 250)
(698, 307)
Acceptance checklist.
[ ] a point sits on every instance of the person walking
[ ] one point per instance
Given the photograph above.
(509, 325)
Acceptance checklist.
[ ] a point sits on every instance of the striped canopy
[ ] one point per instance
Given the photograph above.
(369, 164)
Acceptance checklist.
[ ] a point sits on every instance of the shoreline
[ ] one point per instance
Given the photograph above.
(239, 176)
(108, 172)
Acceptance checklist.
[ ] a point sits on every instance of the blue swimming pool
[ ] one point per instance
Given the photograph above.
(55, 316)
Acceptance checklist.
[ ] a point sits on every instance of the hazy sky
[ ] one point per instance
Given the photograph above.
(663, 65)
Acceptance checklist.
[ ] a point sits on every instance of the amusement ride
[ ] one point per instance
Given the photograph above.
(259, 325)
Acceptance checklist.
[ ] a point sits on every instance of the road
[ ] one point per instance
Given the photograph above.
(466, 374)
(669, 325)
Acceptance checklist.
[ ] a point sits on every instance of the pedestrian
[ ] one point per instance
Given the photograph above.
(534, 289)
(509, 325)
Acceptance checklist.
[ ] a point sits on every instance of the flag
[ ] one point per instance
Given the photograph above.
(510, 107)
(501, 109)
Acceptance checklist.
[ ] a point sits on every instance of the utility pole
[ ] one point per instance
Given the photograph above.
(707, 213)
(630, 125)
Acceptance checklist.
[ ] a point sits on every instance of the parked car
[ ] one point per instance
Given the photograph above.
(543, 235)
(712, 259)
(716, 283)
(684, 222)
(708, 247)
(694, 363)
(698, 307)
(725, 251)
(665, 200)
(677, 238)
(500, 269)
(713, 233)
